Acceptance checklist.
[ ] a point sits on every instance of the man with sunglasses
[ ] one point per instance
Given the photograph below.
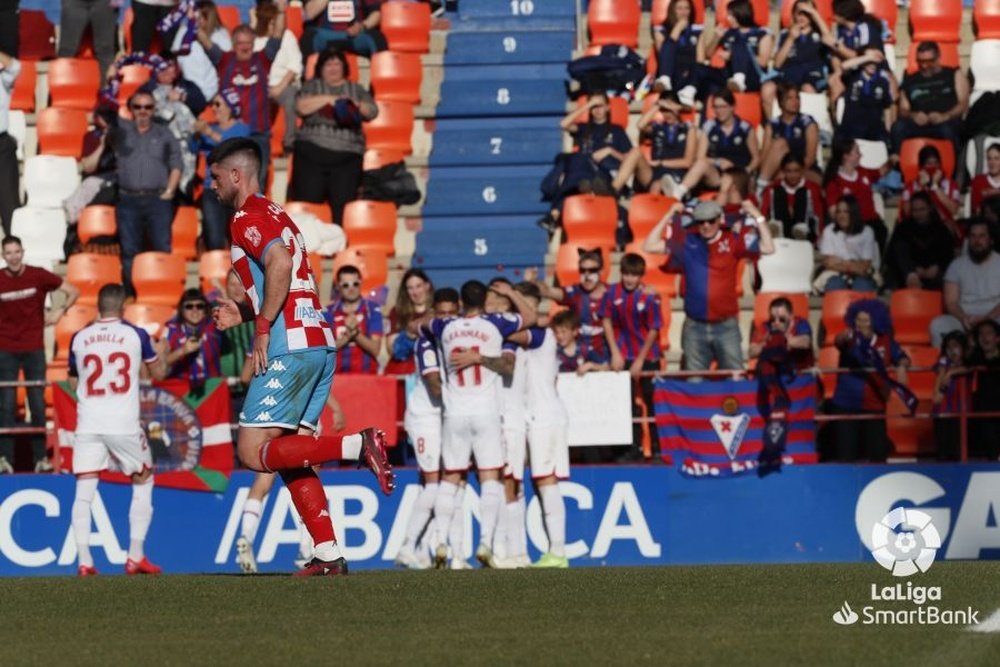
(783, 325)
(149, 170)
(194, 342)
(709, 258)
(357, 325)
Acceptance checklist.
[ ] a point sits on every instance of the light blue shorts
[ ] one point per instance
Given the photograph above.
(292, 392)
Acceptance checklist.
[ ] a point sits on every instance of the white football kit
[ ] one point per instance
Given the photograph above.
(513, 414)
(547, 417)
(471, 395)
(106, 357)
(422, 419)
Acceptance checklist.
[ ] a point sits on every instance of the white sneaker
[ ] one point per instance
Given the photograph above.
(523, 560)
(44, 465)
(407, 559)
(506, 562)
(485, 556)
(459, 564)
(5, 467)
(244, 556)
(738, 83)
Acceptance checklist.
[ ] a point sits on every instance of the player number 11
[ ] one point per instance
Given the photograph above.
(477, 373)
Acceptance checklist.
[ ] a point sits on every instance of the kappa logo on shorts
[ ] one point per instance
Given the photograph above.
(268, 401)
(277, 366)
(274, 383)
(263, 417)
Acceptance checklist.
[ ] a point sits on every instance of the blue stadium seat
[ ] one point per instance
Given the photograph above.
(509, 47)
(493, 98)
(477, 141)
(486, 15)
(484, 191)
(455, 242)
(456, 277)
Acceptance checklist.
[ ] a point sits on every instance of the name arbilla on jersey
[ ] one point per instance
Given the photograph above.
(920, 613)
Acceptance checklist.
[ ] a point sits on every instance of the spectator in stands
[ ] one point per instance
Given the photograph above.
(286, 70)
(414, 298)
(178, 103)
(632, 320)
(584, 298)
(734, 189)
(330, 146)
(870, 95)
(986, 186)
(984, 436)
(949, 395)
(146, 16)
(357, 324)
(844, 175)
(679, 45)
(195, 344)
(674, 143)
(575, 353)
(214, 215)
(149, 171)
(351, 25)
(856, 32)
(932, 101)
(783, 322)
(601, 147)
(725, 141)
(920, 249)
(10, 197)
(98, 165)
(802, 59)
(102, 19)
(23, 292)
(192, 58)
(971, 286)
(865, 345)
(246, 71)
(746, 49)
(709, 259)
(793, 133)
(943, 191)
(849, 256)
(794, 201)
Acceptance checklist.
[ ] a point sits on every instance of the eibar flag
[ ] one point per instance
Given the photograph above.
(714, 428)
(187, 428)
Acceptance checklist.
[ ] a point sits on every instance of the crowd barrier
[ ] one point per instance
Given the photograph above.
(623, 515)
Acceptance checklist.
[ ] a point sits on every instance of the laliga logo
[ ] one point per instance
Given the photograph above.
(905, 552)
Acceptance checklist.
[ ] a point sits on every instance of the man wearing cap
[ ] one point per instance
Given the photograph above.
(709, 258)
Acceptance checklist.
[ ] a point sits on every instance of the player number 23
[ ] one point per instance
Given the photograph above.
(120, 382)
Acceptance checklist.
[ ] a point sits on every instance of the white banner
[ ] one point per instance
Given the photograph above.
(599, 406)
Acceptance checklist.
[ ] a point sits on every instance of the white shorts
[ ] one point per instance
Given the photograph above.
(425, 434)
(92, 452)
(515, 446)
(549, 451)
(468, 436)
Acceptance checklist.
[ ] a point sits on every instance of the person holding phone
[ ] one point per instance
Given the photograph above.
(195, 344)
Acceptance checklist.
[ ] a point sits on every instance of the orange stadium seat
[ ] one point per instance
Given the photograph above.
(825, 8)
(761, 12)
(912, 311)
(827, 359)
(396, 76)
(910, 150)
(96, 221)
(60, 131)
(666, 314)
(935, 20)
(393, 127)
(371, 225)
(835, 305)
(887, 10)
(658, 14)
(278, 133)
(76, 317)
(747, 107)
(73, 83)
(229, 15)
(666, 284)
(986, 16)
(133, 76)
(406, 26)
(316, 265)
(949, 56)
(150, 316)
(321, 211)
(213, 269)
(590, 219)
(374, 266)
(644, 211)
(376, 158)
(23, 97)
(619, 111)
(184, 232)
(89, 272)
(922, 382)
(294, 20)
(910, 436)
(762, 304)
(614, 22)
(568, 261)
(159, 278)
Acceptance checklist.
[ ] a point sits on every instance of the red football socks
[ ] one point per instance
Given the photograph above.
(300, 451)
(310, 501)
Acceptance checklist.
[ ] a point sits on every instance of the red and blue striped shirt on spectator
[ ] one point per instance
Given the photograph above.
(588, 311)
(710, 271)
(249, 78)
(568, 363)
(863, 390)
(633, 315)
(351, 358)
(203, 364)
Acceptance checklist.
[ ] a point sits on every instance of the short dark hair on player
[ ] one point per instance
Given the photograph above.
(348, 269)
(111, 299)
(473, 294)
(241, 146)
(529, 290)
(446, 295)
(10, 240)
(633, 264)
(565, 318)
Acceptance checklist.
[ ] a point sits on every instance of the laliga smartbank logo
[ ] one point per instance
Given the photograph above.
(905, 542)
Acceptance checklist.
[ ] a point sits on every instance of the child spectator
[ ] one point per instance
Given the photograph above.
(870, 94)
(803, 59)
(791, 133)
(674, 143)
(679, 45)
(575, 353)
(948, 398)
(746, 49)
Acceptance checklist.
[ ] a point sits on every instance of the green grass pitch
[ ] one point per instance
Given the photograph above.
(770, 615)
